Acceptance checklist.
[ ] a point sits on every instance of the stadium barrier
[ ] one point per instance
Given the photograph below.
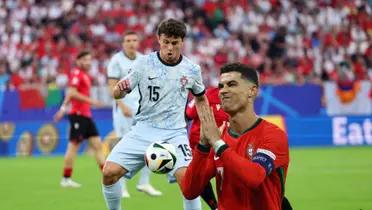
(34, 138)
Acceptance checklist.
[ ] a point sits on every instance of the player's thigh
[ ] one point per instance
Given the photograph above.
(183, 154)
(111, 169)
(129, 153)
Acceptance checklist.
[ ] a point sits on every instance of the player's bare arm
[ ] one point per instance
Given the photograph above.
(72, 93)
(124, 108)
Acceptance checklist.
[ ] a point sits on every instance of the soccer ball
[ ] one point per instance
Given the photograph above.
(160, 158)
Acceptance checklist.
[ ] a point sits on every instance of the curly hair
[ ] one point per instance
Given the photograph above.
(172, 28)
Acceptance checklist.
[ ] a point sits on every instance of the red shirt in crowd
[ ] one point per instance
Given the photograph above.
(81, 81)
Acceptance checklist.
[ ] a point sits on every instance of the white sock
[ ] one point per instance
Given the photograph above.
(145, 176)
(112, 194)
(123, 183)
(192, 204)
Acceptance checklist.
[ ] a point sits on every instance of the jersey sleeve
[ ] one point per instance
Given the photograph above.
(198, 88)
(200, 171)
(274, 147)
(191, 112)
(135, 74)
(113, 69)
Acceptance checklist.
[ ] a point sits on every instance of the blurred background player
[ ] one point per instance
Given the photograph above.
(164, 80)
(250, 158)
(194, 133)
(80, 117)
(123, 110)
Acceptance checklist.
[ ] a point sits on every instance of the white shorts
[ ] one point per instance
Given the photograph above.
(121, 124)
(129, 152)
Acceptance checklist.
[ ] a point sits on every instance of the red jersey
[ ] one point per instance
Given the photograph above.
(243, 180)
(191, 113)
(81, 81)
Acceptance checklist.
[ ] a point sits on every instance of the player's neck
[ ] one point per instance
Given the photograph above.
(168, 62)
(81, 68)
(130, 55)
(242, 121)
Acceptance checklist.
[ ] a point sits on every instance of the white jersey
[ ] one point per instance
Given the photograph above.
(164, 89)
(119, 67)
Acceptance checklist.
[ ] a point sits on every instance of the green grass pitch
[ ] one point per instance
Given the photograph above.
(319, 178)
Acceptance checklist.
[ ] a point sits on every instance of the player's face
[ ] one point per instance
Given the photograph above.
(235, 92)
(130, 43)
(85, 62)
(170, 48)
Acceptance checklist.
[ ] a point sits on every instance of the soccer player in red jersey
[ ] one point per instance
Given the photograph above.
(80, 116)
(249, 158)
(194, 133)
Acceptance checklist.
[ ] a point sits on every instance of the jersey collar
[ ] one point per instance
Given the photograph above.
(237, 135)
(169, 64)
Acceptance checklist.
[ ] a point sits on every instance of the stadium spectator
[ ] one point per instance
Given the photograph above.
(39, 39)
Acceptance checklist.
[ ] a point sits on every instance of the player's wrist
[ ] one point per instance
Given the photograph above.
(203, 147)
(219, 146)
(63, 108)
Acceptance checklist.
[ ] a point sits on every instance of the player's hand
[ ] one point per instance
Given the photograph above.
(59, 115)
(124, 85)
(121, 88)
(209, 129)
(97, 103)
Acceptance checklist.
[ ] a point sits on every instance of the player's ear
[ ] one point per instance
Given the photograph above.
(158, 37)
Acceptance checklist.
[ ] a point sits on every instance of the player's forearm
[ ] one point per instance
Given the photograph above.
(117, 93)
(246, 172)
(80, 97)
(198, 174)
(201, 102)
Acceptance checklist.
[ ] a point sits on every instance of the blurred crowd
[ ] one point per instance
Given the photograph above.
(288, 41)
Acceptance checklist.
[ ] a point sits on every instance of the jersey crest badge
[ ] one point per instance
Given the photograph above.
(250, 150)
(183, 82)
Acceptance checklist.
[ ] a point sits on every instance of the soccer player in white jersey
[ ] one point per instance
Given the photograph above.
(124, 109)
(164, 80)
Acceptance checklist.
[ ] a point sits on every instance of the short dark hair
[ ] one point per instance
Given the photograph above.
(129, 33)
(172, 28)
(247, 72)
(82, 54)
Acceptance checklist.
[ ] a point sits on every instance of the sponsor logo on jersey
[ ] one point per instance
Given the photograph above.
(151, 78)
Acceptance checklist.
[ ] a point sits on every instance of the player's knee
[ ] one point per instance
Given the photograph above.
(111, 173)
(188, 193)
